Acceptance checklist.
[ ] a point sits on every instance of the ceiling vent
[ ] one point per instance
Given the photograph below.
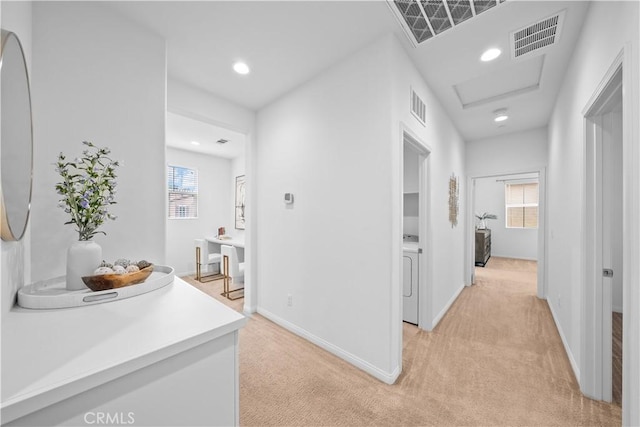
(535, 37)
(422, 20)
(418, 109)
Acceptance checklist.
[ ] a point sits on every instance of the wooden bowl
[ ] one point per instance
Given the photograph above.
(103, 282)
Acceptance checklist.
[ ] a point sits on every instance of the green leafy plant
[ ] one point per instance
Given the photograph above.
(87, 188)
(485, 216)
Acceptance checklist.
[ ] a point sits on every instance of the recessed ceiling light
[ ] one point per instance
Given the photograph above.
(241, 68)
(500, 115)
(222, 141)
(490, 54)
(195, 143)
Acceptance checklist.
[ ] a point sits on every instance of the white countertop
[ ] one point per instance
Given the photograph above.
(50, 355)
(233, 241)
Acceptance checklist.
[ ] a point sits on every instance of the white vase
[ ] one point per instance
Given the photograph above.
(83, 257)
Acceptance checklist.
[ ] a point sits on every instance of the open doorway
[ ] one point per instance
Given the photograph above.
(604, 248)
(506, 222)
(205, 170)
(416, 308)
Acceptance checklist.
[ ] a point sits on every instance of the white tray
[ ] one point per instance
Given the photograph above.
(52, 293)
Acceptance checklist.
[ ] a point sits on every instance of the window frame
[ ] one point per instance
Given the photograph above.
(195, 193)
(521, 205)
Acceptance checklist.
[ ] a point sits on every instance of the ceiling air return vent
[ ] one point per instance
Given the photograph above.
(422, 20)
(418, 109)
(535, 37)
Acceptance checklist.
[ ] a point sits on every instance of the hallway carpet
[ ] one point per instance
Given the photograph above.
(495, 359)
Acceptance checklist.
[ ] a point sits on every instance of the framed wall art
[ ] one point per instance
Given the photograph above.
(240, 202)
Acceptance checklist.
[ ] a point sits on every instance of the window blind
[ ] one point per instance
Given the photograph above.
(182, 184)
(521, 204)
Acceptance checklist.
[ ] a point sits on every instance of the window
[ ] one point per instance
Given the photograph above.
(183, 192)
(521, 205)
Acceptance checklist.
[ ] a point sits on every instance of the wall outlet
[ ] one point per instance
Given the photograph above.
(289, 300)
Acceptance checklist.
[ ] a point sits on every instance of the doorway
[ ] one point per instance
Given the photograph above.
(415, 266)
(604, 244)
(205, 206)
(508, 243)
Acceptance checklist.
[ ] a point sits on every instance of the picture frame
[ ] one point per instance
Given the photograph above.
(240, 203)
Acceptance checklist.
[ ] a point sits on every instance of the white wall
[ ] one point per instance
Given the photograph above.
(98, 77)
(506, 242)
(15, 266)
(319, 250)
(445, 246)
(214, 198)
(617, 24)
(514, 152)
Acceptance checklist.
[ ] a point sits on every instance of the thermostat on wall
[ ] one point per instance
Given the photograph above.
(288, 198)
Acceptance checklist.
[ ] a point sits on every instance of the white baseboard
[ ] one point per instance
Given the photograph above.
(617, 309)
(567, 349)
(514, 257)
(386, 377)
(446, 308)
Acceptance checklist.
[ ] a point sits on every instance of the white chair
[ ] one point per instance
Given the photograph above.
(232, 269)
(205, 259)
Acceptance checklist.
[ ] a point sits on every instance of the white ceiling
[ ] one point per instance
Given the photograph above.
(287, 43)
(182, 131)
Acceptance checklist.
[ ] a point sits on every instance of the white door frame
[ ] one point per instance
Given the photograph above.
(425, 270)
(596, 333)
(542, 215)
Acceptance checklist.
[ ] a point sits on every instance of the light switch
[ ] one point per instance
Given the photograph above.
(288, 198)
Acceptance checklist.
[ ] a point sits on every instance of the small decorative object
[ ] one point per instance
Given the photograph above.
(101, 282)
(483, 220)
(453, 200)
(240, 199)
(88, 186)
(221, 231)
(143, 264)
(132, 268)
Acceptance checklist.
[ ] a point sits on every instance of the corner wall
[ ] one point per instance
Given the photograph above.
(617, 24)
(328, 143)
(98, 77)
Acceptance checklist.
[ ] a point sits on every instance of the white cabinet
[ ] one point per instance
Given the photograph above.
(166, 358)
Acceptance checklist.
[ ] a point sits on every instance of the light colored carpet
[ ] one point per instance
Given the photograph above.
(495, 359)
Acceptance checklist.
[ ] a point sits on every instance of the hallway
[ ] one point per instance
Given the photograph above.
(495, 359)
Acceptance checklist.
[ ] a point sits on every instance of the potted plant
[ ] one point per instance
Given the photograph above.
(483, 220)
(87, 188)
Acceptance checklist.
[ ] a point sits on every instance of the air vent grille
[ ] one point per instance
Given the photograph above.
(437, 13)
(416, 22)
(460, 10)
(536, 36)
(425, 19)
(418, 108)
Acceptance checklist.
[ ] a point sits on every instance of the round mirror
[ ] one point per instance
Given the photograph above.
(16, 138)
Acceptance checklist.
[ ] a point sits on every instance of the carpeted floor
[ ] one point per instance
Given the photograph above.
(495, 359)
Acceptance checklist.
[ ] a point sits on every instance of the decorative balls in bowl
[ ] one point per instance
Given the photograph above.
(117, 275)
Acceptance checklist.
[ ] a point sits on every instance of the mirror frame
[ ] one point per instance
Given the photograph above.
(7, 231)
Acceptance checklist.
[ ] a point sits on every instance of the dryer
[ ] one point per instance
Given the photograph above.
(410, 274)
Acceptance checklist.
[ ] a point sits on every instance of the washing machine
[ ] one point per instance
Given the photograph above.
(410, 272)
